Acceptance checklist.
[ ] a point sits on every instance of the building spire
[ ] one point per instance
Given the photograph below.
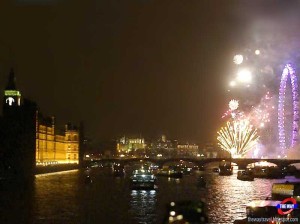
(11, 85)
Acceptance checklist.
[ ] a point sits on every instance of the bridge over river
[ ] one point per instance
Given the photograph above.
(242, 163)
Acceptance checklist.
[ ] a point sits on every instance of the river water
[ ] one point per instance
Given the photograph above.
(65, 198)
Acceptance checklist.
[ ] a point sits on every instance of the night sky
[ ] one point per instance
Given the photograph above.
(132, 67)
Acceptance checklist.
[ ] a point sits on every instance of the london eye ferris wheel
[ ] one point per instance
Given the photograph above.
(284, 144)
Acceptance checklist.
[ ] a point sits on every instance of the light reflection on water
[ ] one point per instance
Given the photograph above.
(143, 206)
(65, 198)
(176, 180)
(227, 197)
(55, 197)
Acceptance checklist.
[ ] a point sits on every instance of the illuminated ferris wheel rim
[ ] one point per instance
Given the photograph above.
(288, 70)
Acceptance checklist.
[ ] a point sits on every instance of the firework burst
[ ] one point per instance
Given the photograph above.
(259, 115)
(233, 104)
(238, 137)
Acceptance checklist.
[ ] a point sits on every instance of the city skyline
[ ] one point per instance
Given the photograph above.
(132, 68)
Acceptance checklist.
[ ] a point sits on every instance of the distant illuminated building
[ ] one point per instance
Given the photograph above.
(54, 147)
(128, 145)
(187, 149)
(164, 145)
(212, 150)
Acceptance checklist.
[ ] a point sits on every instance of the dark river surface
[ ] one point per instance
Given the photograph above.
(65, 198)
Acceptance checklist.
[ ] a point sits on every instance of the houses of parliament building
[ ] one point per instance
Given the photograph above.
(28, 139)
(55, 147)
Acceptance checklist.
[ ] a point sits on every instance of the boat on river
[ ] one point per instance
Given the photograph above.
(143, 178)
(170, 171)
(215, 170)
(225, 168)
(118, 170)
(245, 175)
(268, 172)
